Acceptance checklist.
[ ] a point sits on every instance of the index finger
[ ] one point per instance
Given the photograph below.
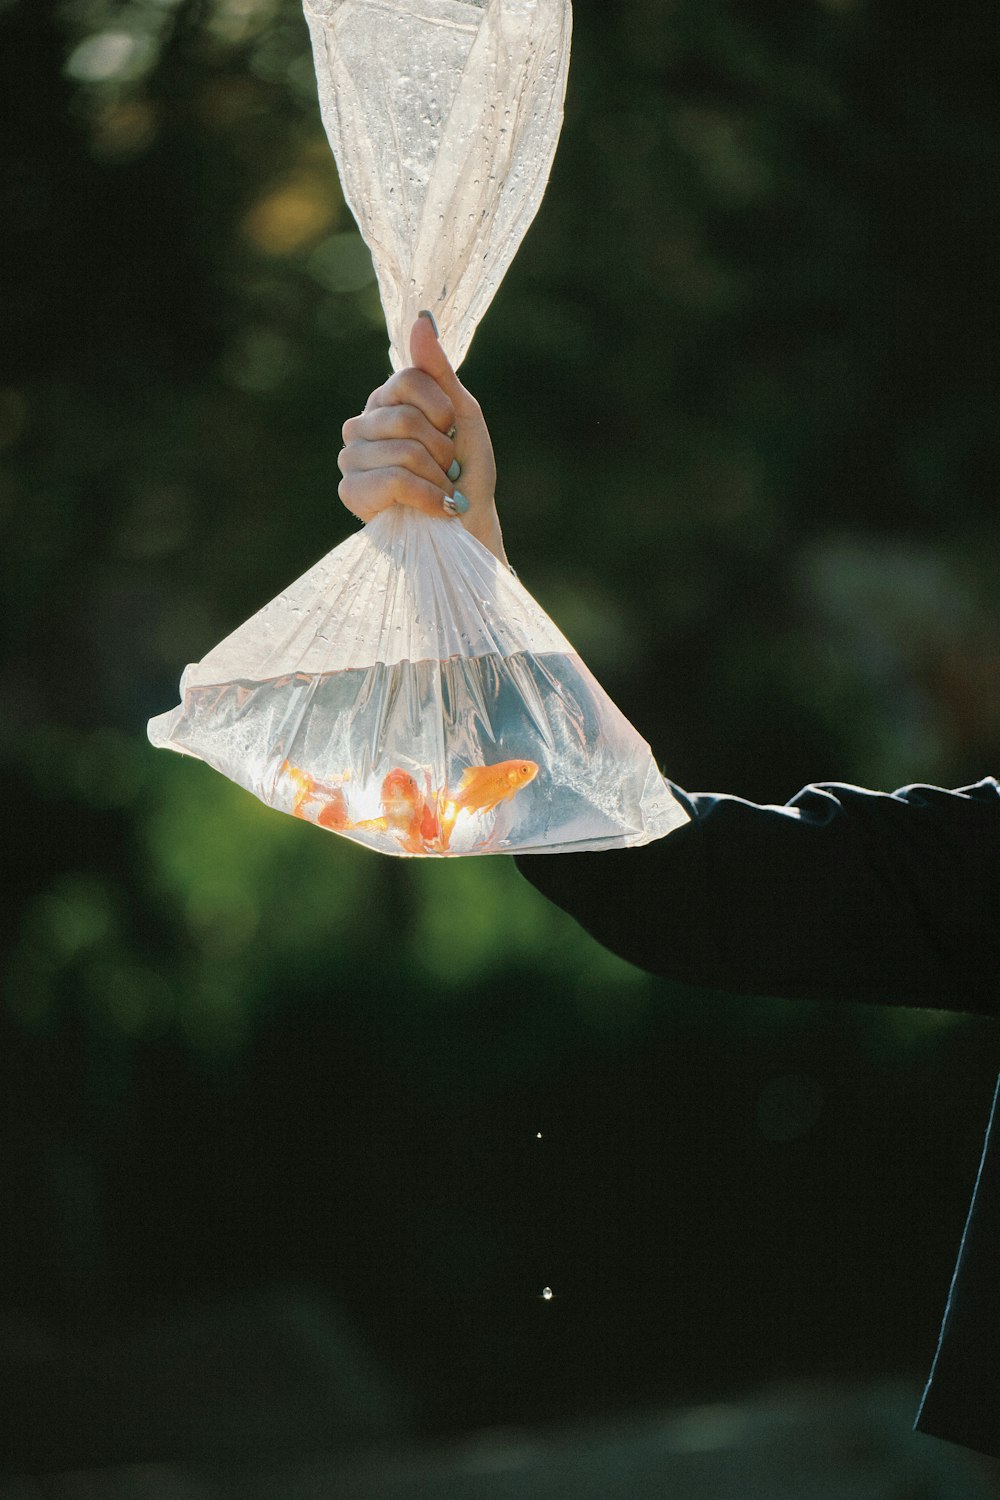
(412, 387)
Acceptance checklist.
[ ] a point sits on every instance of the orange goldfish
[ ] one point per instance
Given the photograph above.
(482, 788)
(421, 821)
(332, 814)
(408, 813)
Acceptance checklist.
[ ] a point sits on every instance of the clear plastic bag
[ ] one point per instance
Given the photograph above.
(407, 692)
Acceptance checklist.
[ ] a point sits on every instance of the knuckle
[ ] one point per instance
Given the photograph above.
(444, 415)
(408, 455)
(412, 452)
(403, 384)
(384, 395)
(407, 421)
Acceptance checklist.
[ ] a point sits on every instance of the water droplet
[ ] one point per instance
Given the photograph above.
(547, 1294)
(538, 1135)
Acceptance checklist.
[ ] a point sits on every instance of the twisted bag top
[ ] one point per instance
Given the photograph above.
(444, 118)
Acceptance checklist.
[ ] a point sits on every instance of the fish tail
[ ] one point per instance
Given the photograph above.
(305, 784)
(371, 825)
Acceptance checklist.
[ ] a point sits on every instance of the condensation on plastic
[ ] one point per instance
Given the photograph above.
(407, 692)
(407, 588)
(443, 117)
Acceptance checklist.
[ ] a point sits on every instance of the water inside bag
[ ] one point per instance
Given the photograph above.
(470, 755)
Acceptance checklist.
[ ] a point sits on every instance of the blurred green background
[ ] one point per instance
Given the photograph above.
(742, 385)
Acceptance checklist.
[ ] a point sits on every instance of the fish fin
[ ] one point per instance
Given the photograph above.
(449, 814)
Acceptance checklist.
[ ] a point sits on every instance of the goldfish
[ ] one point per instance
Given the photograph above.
(482, 788)
(421, 821)
(333, 812)
(408, 813)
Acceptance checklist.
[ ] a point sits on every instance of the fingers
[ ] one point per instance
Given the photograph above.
(394, 453)
(365, 492)
(385, 424)
(393, 456)
(401, 449)
(416, 388)
(428, 356)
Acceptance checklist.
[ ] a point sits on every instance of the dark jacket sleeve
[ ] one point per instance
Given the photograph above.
(841, 893)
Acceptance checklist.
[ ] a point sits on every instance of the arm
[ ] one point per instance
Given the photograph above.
(840, 894)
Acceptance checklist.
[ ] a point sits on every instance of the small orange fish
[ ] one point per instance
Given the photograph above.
(408, 812)
(421, 822)
(482, 788)
(332, 814)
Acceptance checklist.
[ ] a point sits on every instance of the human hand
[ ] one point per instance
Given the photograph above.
(420, 435)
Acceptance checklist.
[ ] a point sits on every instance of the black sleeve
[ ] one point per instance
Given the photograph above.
(840, 894)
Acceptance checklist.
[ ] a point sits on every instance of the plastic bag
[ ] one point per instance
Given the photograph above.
(407, 692)
(443, 117)
(476, 730)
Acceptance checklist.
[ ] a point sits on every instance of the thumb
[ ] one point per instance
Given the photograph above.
(428, 355)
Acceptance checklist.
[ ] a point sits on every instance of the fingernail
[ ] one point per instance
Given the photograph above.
(460, 503)
(453, 470)
(423, 313)
(449, 506)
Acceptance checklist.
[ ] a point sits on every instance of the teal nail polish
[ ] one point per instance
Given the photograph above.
(454, 470)
(423, 313)
(460, 503)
